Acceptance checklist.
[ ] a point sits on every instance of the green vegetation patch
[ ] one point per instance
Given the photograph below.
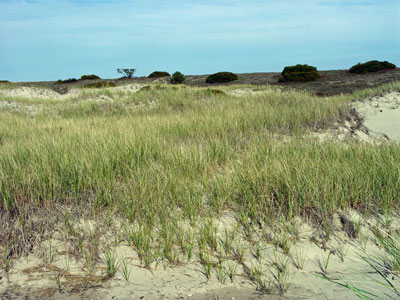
(157, 74)
(98, 85)
(221, 77)
(372, 66)
(299, 73)
(177, 77)
(89, 77)
(69, 80)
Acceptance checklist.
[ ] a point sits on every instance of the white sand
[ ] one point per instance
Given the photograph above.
(45, 93)
(36, 92)
(30, 277)
(382, 114)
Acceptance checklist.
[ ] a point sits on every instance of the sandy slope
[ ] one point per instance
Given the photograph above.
(36, 92)
(45, 93)
(382, 114)
(30, 278)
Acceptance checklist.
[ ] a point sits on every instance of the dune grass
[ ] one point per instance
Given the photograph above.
(168, 155)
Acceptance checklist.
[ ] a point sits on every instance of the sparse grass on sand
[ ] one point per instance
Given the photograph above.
(161, 161)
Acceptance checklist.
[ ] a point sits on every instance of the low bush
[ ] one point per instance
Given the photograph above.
(371, 66)
(299, 73)
(69, 80)
(98, 85)
(89, 77)
(157, 74)
(221, 77)
(177, 77)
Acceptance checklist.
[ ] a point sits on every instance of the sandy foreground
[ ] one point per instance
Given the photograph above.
(38, 277)
(309, 260)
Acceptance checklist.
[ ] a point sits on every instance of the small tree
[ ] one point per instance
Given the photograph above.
(177, 77)
(128, 73)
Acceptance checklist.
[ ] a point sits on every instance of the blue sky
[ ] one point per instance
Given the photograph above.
(50, 40)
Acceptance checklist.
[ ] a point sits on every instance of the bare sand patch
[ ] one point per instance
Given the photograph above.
(50, 273)
(36, 92)
(243, 92)
(129, 87)
(375, 119)
(382, 114)
(26, 108)
(45, 93)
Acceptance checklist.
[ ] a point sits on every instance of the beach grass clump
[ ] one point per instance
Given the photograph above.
(299, 73)
(372, 66)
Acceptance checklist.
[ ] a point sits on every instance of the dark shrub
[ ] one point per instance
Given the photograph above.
(70, 80)
(372, 66)
(299, 73)
(4, 81)
(89, 77)
(98, 85)
(221, 77)
(157, 74)
(177, 77)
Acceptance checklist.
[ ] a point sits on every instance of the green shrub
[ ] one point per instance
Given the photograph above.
(299, 73)
(157, 74)
(177, 77)
(98, 85)
(89, 77)
(221, 77)
(69, 80)
(371, 66)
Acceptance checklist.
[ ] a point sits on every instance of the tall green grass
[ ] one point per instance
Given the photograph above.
(170, 154)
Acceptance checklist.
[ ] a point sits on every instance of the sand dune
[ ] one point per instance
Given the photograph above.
(30, 278)
(382, 114)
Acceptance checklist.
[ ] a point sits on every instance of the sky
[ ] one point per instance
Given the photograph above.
(51, 40)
